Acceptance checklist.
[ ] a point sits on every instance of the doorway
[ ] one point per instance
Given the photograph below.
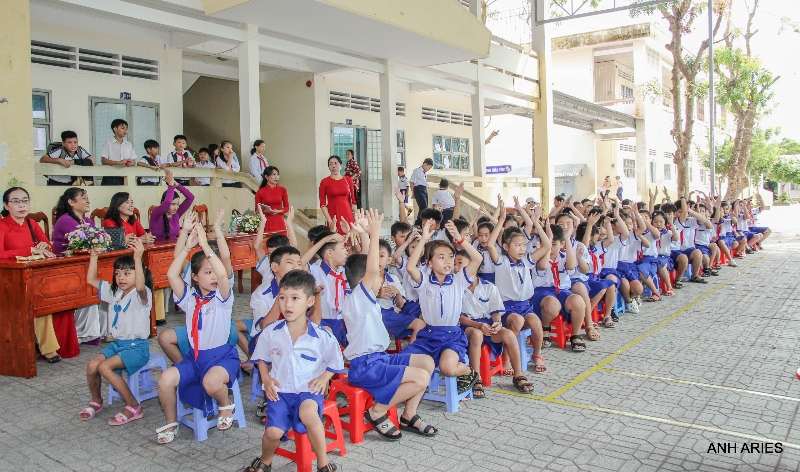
(345, 137)
(565, 186)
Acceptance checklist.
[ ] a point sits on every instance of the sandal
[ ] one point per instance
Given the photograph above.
(521, 383)
(539, 368)
(614, 316)
(93, 409)
(225, 422)
(384, 427)
(546, 341)
(592, 334)
(467, 381)
(166, 437)
(668, 293)
(329, 467)
(423, 429)
(258, 466)
(52, 360)
(698, 280)
(678, 284)
(577, 343)
(478, 391)
(120, 419)
(608, 322)
(654, 298)
(507, 371)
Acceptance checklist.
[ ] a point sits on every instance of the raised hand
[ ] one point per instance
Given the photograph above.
(218, 222)
(192, 240)
(451, 228)
(168, 178)
(426, 231)
(138, 248)
(374, 219)
(579, 252)
(202, 238)
(459, 191)
(289, 215)
(399, 195)
(189, 220)
(345, 226)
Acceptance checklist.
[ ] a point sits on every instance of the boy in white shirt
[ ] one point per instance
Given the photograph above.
(117, 151)
(204, 162)
(390, 379)
(444, 202)
(403, 183)
(180, 157)
(330, 274)
(151, 160)
(296, 360)
(68, 154)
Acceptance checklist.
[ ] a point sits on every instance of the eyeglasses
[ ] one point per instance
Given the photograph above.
(17, 201)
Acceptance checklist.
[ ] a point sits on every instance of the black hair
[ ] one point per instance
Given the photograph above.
(460, 226)
(626, 202)
(596, 210)
(179, 136)
(679, 204)
(338, 159)
(151, 143)
(510, 218)
(256, 143)
(196, 264)
(267, 172)
(401, 169)
(315, 231)
(585, 200)
(354, 269)
(444, 183)
(659, 213)
(431, 214)
(222, 145)
(400, 227)
(277, 254)
(63, 207)
(646, 212)
(580, 232)
(326, 246)
(641, 206)
(277, 240)
(428, 161)
(560, 198)
(113, 208)
(483, 219)
(657, 207)
(384, 244)
(204, 150)
(211, 148)
(298, 279)
(65, 135)
(127, 262)
(352, 153)
(669, 208)
(486, 224)
(431, 246)
(6, 195)
(463, 253)
(118, 122)
(175, 195)
(565, 214)
(558, 233)
(510, 233)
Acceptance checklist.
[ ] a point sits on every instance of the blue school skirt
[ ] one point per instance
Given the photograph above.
(648, 266)
(192, 372)
(542, 292)
(397, 323)
(487, 276)
(759, 229)
(595, 285)
(183, 338)
(338, 328)
(628, 270)
(727, 239)
(284, 414)
(606, 272)
(496, 348)
(434, 340)
(135, 354)
(704, 249)
(379, 373)
(666, 262)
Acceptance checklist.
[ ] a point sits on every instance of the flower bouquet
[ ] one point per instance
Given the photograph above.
(246, 223)
(86, 237)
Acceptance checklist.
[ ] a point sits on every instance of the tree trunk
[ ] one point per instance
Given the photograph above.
(683, 111)
(740, 154)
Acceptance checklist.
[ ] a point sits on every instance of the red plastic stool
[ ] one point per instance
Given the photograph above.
(303, 455)
(723, 259)
(596, 314)
(398, 346)
(489, 366)
(562, 328)
(358, 400)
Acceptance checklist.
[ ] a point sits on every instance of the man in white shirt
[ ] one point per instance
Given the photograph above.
(68, 154)
(118, 151)
(419, 187)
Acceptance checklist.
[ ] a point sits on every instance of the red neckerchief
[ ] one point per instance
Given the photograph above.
(197, 323)
(262, 161)
(594, 261)
(339, 280)
(556, 277)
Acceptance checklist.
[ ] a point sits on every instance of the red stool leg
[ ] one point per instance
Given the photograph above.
(595, 314)
(331, 413)
(486, 368)
(303, 455)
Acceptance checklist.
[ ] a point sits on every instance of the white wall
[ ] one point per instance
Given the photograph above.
(514, 145)
(573, 73)
(573, 146)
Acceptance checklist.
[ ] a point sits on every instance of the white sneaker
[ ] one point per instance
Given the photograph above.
(632, 307)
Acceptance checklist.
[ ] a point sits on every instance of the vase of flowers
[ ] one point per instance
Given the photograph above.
(86, 237)
(245, 223)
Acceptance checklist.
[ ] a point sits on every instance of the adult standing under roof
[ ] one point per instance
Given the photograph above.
(337, 196)
(352, 170)
(274, 198)
(419, 187)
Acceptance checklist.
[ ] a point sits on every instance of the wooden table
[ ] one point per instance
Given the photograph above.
(32, 289)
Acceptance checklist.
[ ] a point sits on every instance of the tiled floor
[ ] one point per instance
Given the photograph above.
(714, 364)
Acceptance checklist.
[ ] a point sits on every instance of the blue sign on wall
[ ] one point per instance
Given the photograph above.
(498, 169)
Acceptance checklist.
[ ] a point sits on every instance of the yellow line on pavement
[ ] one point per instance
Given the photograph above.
(647, 333)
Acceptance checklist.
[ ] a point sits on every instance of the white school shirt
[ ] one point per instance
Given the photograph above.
(115, 151)
(664, 244)
(322, 277)
(609, 254)
(261, 302)
(587, 258)
(402, 182)
(295, 365)
(653, 249)
(214, 321)
(61, 153)
(688, 228)
(419, 177)
(725, 226)
(441, 304)
(408, 282)
(443, 198)
(546, 277)
(631, 247)
(533, 242)
(702, 237)
(484, 302)
(184, 157)
(487, 266)
(257, 165)
(366, 332)
(514, 279)
(265, 269)
(741, 223)
(158, 162)
(129, 318)
(224, 165)
(207, 165)
(595, 260)
(391, 280)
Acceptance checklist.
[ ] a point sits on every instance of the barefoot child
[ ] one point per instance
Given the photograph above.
(130, 298)
(296, 359)
(212, 364)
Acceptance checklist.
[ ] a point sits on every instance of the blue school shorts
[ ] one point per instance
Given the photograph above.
(594, 286)
(434, 340)
(521, 308)
(249, 323)
(183, 338)
(496, 348)
(135, 354)
(704, 249)
(648, 266)
(541, 292)
(727, 240)
(284, 414)
(397, 323)
(759, 229)
(606, 272)
(379, 373)
(338, 329)
(487, 276)
(666, 262)
(628, 270)
(192, 372)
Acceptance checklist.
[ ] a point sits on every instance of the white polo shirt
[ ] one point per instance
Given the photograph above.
(609, 254)
(653, 249)
(366, 332)
(408, 282)
(513, 279)
(265, 269)
(158, 162)
(261, 302)
(333, 284)
(419, 177)
(224, 165)
(665, 242)
(61, 153)
(630, 251)
(484, 302)
(487, 265)
(443, 198)
(214, 321)
(688, 228)
(184, 157)
(702, 236)
(546, 277)
(129, 318)
(208, 165)
(390, 280)
(587, 258)
(296, 364)
(116, 151)
(257, 165)
(441, 304)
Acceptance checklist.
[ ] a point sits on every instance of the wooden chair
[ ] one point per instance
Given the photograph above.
(99, 213)
(150, 212)
(53, 216)
(39, 217)
(136, 214)
(202, 213)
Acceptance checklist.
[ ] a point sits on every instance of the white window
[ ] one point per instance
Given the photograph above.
(450, 153)
(629, 167)
(41, 120)
(691, 174)
(667, 171)
(401, 148)
(795, 187)
(653, 172)
(702, 176)
(143, 122)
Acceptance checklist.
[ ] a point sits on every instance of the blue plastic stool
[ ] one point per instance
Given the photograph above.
(200, 424)
(525, 349)
(142, 379)
(656, 282)
(450, 398)
(256, 391)
(619, 304)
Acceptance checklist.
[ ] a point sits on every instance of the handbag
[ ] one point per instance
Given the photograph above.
(117, 237)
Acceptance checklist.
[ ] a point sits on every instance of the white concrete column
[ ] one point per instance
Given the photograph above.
(389, 141)
(478, 133)
(642, 168)
(543, 116)
(249, 95)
